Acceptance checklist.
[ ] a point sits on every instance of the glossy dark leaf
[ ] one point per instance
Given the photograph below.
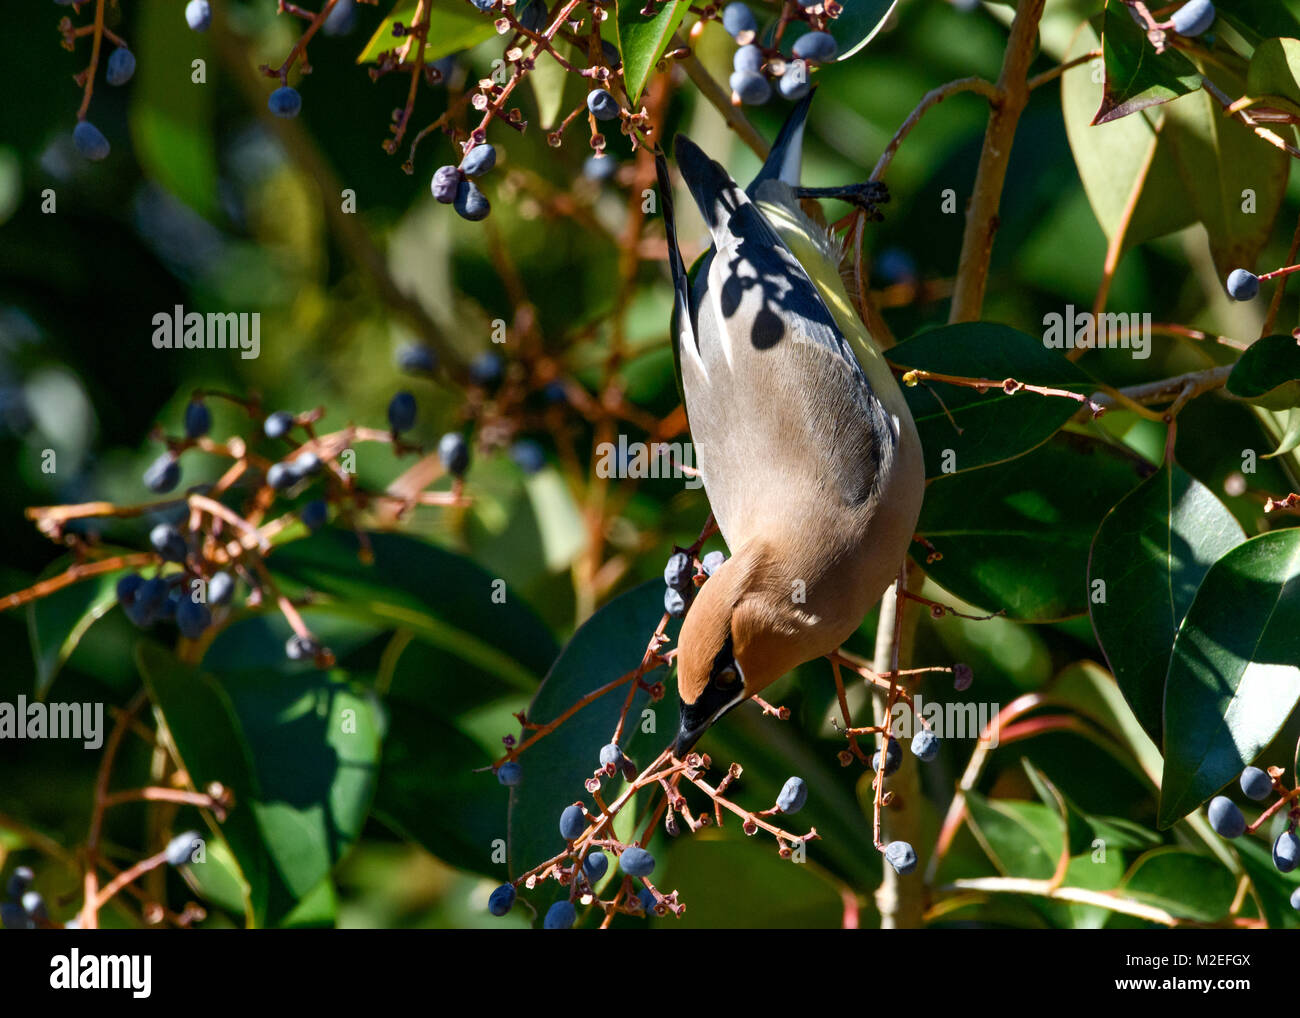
(1186, 885)
(1147, 559)
(642, 40)
(1268, 373)
(1137, 76)
(1235, 674)
(995, 426)
(1016, 536)
(57, 622)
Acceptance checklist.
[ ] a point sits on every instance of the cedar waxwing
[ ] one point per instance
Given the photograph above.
(809, 455)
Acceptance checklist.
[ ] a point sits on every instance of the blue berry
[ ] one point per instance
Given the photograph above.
(20, 881)
(15, 917)
(611, 754)
(572, 822)
(893, 758)
(300, 648)
(180, 849)
(280, 476)
(487, 369)
(1256, 784)
(596, 865)
(483, 5)
(502, 899)
(647, 899)
(90, 141)
(510, 774)
(479, 160)
(819, 47)
(599, 168)
(1194, 17)
(121, 65)
(528, 455)
(738, 20)
(533, 15)
(901, 856)
(636, 861)
(278, 424)
(712, 562)
(314, 514)
(341, 19)
(962, 677)
(1295, 899)
(925, 746)
(192, 618)
(471, 204)
(453, 453)
(417, 357)
(752, 87)
(198, 419)
(149, 602)
(163, 474)
(221, 588)
(285, 102)
(602, 105)
(305, 464)
(1286, 852)
(1226, 818)
(610, 52)
(747, 58)
(445, 183)
(560, 916)
(198, 15)
(1242, 285)
(128, 587)
(894, 265)
(677, 573)
(401, 412)
(168, 542)
(34, 905)
(674, 603)
(794, 793)
(794, 83)
(445, 68)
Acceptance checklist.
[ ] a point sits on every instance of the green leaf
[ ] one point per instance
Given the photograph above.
(443, 598)
(1023, 839)
(57, 622)
(1151, 552)
(549, 81)
(1268, 373)
(429, 792)
(1257, 20)
(642, 41)
(170, 117)
(314, 742)
(1235, 673)
(452, 28)
(206, 737)
(606, 646)
(1275, 70)
(1015, 536)
(1290, 437)
(1220, 159)
(995, 426)
(1111, 157)
(1184, 884)
(217, 879)
(1137, 76)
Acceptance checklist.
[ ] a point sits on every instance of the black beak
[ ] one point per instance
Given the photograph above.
(697, 718)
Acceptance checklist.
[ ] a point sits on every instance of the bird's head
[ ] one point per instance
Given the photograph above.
(735, 641)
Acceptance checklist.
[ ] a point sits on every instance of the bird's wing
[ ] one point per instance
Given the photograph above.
(780, 407)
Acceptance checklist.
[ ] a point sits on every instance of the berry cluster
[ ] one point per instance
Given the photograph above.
(682, 579)
(1258, 785)
(756, 67)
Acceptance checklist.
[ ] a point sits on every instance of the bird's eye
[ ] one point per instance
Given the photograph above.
(726, 676)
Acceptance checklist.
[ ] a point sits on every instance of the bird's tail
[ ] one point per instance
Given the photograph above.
(785, 161)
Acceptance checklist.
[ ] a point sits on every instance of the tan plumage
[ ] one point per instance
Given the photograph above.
(809, 456)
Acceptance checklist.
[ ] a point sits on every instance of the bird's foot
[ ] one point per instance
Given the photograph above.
(866, 196)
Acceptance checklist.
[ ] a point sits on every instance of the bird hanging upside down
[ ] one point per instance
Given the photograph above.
(809, 455)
